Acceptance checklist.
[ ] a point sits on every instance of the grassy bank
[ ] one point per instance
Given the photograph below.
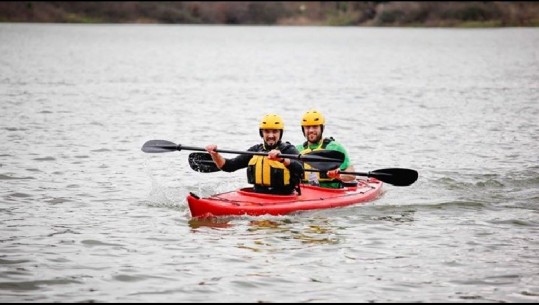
(330, 13)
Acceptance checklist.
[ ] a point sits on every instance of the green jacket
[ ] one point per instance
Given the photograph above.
(333, 145)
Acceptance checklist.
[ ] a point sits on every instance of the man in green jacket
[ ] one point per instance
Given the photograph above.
(312, 126)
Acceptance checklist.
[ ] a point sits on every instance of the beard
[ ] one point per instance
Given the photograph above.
(314, 138)
(273, 146)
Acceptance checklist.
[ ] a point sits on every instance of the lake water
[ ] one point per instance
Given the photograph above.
(86, 216)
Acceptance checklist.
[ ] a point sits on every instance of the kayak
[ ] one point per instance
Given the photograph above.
(245, 201)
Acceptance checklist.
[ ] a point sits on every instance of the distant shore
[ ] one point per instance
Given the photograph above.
(323, 13)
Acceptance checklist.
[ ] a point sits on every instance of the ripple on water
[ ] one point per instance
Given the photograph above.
(95, 243)
(458, 184)
(45, 159)
(19, 195)
(7, 177)
(14, 261)
(58, 200)
(35, 285)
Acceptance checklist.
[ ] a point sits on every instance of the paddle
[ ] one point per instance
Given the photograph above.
(322, 159)
(394, 176)
(202, 162)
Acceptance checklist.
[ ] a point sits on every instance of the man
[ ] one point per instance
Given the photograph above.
(270, 173)
(312, 126)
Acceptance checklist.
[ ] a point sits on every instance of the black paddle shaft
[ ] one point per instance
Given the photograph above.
(260, 153)
(160, 146)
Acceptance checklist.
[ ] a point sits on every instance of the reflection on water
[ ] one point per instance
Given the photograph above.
(312, 234)
(216, 222)
(282, 229)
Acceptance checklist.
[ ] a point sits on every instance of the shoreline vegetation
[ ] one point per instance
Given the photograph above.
(298, 13)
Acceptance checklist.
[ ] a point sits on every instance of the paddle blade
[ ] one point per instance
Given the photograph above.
(324, 155)
(395, 176)
(159, 146)
(324, 160)
(202, 162)
(323, 166)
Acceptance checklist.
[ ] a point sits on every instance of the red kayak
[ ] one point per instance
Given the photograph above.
(246, 202)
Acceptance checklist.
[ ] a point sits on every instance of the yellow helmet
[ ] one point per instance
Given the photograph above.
(312, 118)
(271, 121)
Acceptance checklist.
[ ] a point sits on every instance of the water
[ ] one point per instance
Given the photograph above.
(88, 217)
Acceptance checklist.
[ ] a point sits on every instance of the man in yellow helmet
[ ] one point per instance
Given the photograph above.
(269, 173)
(312, 126)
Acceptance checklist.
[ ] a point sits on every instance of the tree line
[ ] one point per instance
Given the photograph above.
(332, 13)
